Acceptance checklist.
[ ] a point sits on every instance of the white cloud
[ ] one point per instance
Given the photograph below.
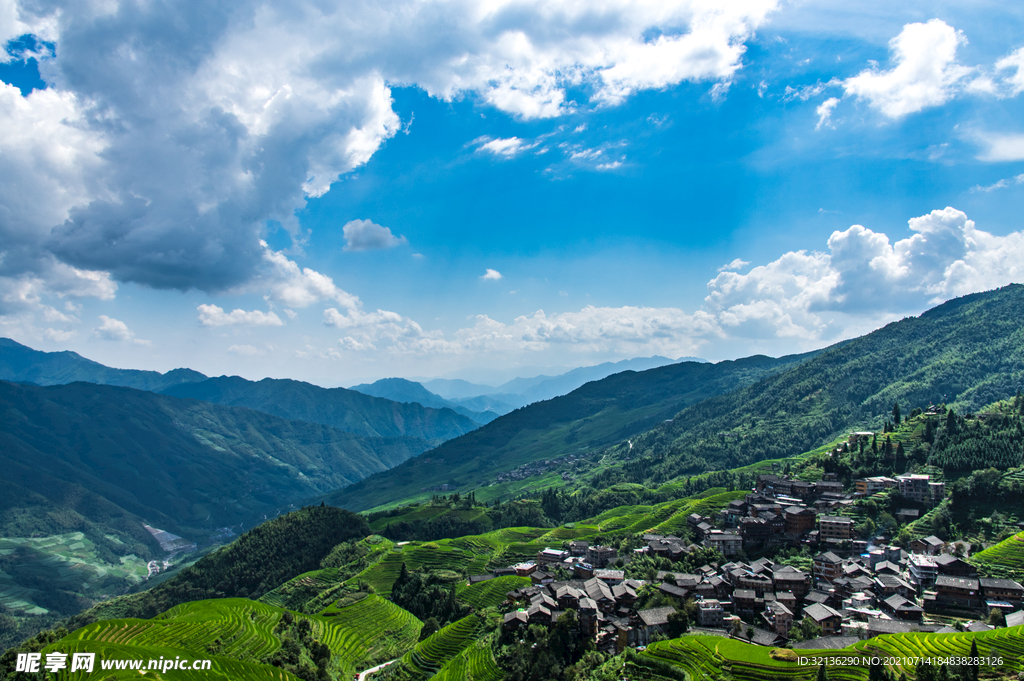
(1013, 62)
(1001, 147)
(925, 73)
(58, 335)
(736, 264)
(623, 330)
(491, 274)
(613, 165)
(267, 103)
(1001, 184)
(506, 148)
(115, 330)
(863, 278)
(364, 235)
(824, 112)
(211, 315)
(296, 286)
(350, 343)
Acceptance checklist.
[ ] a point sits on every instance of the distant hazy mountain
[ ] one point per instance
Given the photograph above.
(522, 391)
(499, 404)
(456, 388)
(545, 387)
(402, 390)
(340, 408)
(23, 364)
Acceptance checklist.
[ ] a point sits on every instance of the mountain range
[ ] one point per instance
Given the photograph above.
(87, 464)
(687, 418)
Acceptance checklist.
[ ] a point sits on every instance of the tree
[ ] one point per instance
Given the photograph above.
(678, 623)
(823, 675)
(896, 413)
(429, 627)
(996, 618)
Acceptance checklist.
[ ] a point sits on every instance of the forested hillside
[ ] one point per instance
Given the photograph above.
(966, 353)
(80, 455)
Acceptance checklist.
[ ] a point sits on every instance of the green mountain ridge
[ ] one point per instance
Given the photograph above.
(339, 408)
(596, 415)
(22, 364)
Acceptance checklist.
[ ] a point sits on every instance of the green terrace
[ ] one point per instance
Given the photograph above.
(708, 657)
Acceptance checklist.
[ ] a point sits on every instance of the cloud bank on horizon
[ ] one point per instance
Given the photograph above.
(168, 138)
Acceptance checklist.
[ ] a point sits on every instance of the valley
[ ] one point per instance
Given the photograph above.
(690, 521)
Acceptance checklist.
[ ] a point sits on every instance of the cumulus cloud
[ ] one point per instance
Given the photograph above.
(824, 112)
(115, 330)
(364, 235)
(296, 286)
(862, 276)
(265, 103)
(925, 72)
(211, 315)
(491, 274)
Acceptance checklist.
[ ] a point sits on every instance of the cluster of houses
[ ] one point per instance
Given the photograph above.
(885, 590)
(855, 589)
(533, 468)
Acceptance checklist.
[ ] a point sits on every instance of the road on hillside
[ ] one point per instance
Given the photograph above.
(362, 675)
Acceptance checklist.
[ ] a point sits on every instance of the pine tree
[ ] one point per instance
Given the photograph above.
(822, 674)
(896, 413)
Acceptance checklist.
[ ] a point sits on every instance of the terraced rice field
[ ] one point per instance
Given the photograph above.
(492, 592)
(310, 583)
(441, 648)
(221, 668)
(475, 663)
(705, 657)
(705, 506)
(244, 627)
(1007, 553)
(367, 630)
(418, 556)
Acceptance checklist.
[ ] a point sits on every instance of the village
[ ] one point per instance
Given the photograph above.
(855, 588)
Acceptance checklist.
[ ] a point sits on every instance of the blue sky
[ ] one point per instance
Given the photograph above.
(345, 193)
